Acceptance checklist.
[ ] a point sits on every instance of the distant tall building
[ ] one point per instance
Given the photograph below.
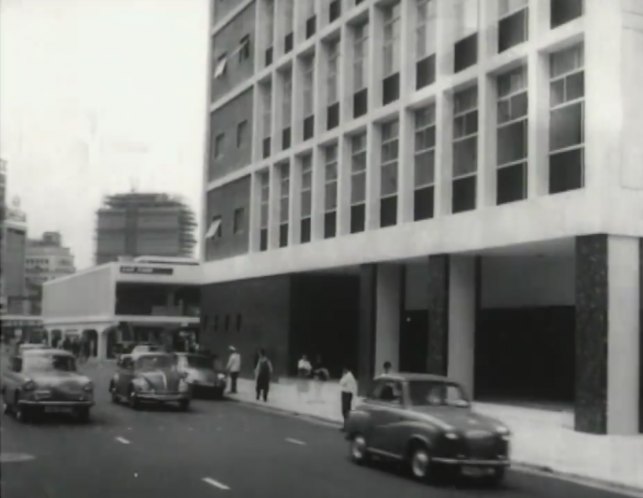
(46, 259)
(138, 224)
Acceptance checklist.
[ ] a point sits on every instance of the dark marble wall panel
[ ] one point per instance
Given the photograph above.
(366, 341)
(437, 357)
(591, 333)
(641, 335)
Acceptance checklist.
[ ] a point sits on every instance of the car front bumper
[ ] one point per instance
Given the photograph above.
(471, 462)
(56, 404)
(162, 397)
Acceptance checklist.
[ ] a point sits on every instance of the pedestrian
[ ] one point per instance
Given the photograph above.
(304, 368)
(348, 387)
(321, 375)
(387, 367)
(234, 367)
(263, 373)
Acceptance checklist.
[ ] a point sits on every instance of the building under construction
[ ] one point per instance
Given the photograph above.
(137, 224)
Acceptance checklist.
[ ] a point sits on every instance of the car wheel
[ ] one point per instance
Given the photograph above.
(497, 477)
(184, 405)
(132, 399)
(358, 449)
(83, 414)
(420, 462)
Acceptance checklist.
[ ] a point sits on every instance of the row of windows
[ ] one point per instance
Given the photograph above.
(241, 139)
(512, 27)
(226, 323)
(216, 228)
(566, 143)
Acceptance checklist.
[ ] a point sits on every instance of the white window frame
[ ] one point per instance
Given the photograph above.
(360, 57)
(420, 152)
(461, 114)
(358, 168)
(306, 169)
(386, 141)
(513, 92)
(264, 199)
(284, 193)
(219, 141)
(331, 162)
(391, 42)
(512, 6)
(425, 28)
(266, 111)
(286, 99)
(332, 75)
(307, 86)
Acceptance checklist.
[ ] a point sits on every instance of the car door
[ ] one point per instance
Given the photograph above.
(386, 408)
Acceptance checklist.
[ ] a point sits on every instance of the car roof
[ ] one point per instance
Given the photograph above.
(143, 354)
(414, 377)
(46, 351)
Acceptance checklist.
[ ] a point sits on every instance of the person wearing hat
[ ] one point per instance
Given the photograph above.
(234, 367)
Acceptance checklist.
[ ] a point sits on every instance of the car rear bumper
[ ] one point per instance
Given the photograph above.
(472, 462)
(58, 404)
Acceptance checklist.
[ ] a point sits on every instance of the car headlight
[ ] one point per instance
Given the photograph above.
(503, 431)
(89, 387)
(451, 435)
(142, 385)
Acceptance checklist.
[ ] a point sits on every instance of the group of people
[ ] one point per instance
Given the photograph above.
(263, 372)
(80, 347)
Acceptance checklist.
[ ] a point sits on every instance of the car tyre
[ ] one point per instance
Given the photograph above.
(358, 449)
(497, 477)
(420, 462)
(83, 415)
(184, 405)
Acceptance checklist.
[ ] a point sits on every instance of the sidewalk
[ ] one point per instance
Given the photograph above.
(544, 440)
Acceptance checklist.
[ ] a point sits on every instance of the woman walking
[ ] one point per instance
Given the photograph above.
(263, 373)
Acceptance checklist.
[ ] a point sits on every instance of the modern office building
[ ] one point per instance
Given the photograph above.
(46, 259)
(455, 186)
(138, 224)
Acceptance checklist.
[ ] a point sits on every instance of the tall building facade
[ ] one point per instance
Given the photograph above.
(46, 259)
(140, 224)
(451, 185)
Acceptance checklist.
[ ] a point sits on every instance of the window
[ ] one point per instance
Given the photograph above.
(284, 203)
(566, 120)
(388, 174)
(465, 153)
(266, 118)
(387, 391)
(214, 230)
(424, 163)
(308, 70)
(391, 88)
(563, 11)
(334, 10)
(288, 14)
(425, 28)
(311, 26)
(358, 182)
(332, 86)
(391, 45)
(264, 198)
(512, 136)
(330, 190)
(360, 76)
(309, 17)
(270, 28)
(218, 145)
(244, 48)
(466, 18)
(242, 130)
(466, 52)
(512, 23)
(286, 115)
(239, 220)
(306, 197)
(220, 68)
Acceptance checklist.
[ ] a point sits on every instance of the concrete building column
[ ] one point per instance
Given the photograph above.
(387, 322)
(101, 338)
(608, 334)
(438, 307)
(366, 338)
(462, 320)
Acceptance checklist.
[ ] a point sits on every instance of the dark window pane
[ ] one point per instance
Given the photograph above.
(465, 156)
(512, 184)
(388, 211)
(309, 127)
(471, 123)
(566, 171)
(330, 224)
(391, 88)
(563, 11)
(268, 56)
(288, 43)
(305, 230)
(512, 142)
(334, 10)
(360, 102)
(519, 105)
(575, 84)
(566, 126)
(423, 204)
(332, 116)
(466, 52)
(557, 92)
(263, 239)
(285, 138)
(311, 26)
(464, 194)
(425, 72)
(512, 30)
(358, 213)
(283, 235)
(266, 147)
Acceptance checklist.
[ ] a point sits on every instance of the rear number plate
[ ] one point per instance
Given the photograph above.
(57, 409)
(471, 471)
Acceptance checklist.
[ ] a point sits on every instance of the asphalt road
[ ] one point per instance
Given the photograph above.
(217, 449)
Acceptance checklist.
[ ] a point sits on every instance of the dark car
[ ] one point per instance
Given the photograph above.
(45, 380)
(149, 378)
(200, 374)
(426, 421)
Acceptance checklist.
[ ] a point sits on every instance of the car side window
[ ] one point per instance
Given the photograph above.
(127, 363)
(388, 391)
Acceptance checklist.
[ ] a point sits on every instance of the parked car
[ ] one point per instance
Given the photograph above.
(151, 378)
(426, 422)
(45, 380)
(30, 346)
(146, 348)
(200, 373)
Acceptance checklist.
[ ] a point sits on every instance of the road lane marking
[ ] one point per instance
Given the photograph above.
(15, 457)
(216, 484)
(295, 441)
(122, 440)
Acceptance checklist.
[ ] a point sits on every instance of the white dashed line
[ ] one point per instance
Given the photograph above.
(295, 441)
(122, 440)
(216, 484)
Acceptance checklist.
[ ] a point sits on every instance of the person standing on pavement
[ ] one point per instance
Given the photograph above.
(263, 374)
(387, 368)
(348, 387)
(234, 367)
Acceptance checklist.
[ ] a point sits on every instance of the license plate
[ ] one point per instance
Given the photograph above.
(57, 409)
(471, 471)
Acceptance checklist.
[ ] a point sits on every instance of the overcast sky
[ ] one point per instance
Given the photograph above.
(97, 97)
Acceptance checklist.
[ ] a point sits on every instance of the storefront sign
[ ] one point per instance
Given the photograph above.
(147, 270)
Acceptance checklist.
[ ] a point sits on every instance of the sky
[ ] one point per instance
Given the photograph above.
(99, 97)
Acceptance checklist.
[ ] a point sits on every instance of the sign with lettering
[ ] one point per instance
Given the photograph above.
(147, 270)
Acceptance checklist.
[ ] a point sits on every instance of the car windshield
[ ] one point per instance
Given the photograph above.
(153, 362)
(49, 363)
(432, 393)
(199, 361)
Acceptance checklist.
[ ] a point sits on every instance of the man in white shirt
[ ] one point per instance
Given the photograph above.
(348, 387)
(233, 368)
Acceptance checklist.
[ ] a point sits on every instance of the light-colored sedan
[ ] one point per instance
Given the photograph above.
(200, 374)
